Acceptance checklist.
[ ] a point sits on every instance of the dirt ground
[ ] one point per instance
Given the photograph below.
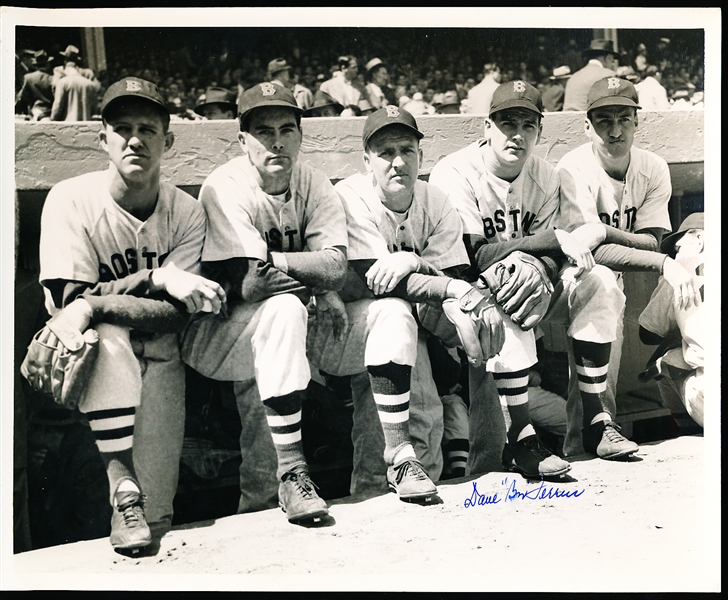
(651, 524)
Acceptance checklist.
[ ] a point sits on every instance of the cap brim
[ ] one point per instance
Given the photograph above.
(297, 109)
(417, 132)
(516, 104)
(613, 101)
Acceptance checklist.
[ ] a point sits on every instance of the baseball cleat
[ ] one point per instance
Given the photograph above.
(532, 460)
(409, 480)
(604, 440)
(297, 496)
(129, 527)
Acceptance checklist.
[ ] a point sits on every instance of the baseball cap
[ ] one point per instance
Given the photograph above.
(265, 94)
(695, 220)
(375, 62)
(132, 87)
(386, 116)
(612, 91)
(216, 95)
(514, 94)
(277, 65)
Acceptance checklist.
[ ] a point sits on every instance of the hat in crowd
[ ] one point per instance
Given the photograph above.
(216, 95)
(41, 58)
(375, 62)
(28, 53)
(665, 40)
(321, 100)
(601, 46)
(70, 51)
(277, 65)
(365, 107)
(450, 103)
(516, 94)
(385, 117)
(265, 94)
(693, 221)
(651, 71)
(612, 91)
(562, 72)
(627, 72)
(132, 87)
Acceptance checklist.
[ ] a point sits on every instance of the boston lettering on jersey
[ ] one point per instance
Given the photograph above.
(274, 240)
(627, 217)
(121, 265)
(499, 222)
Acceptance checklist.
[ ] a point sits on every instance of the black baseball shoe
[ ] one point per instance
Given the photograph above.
(129, 527)
(532, 460)
(605, 440)
(409, 480)
(297, 496)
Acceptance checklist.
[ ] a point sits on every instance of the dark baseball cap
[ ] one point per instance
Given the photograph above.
(516, 94)
(386, 116)
(266, 94)
(217, 95)
(695, 220)
(132, 87)
(612, 91)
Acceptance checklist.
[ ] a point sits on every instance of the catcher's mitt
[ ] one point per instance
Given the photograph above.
(479, 328)
(60, 359)
(521, 287)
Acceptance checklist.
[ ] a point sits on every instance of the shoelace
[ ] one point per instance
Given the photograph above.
(304, 484)
(410, 467)
(132, 511)
(536, 448)
(612, 432)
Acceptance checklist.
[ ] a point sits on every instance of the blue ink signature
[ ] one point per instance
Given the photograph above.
(538, 493)
(542, 492)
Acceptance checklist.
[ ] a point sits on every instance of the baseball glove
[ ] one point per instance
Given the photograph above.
(60, 359)
(521, 287)
(479, 328)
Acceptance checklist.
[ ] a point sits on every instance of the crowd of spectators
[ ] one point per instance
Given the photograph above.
(419, 73)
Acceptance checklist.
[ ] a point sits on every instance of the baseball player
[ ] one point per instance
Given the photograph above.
(508, 200)
(403, 237)
(120, 250)
(614, 199)
(276, 235)
(679, 361)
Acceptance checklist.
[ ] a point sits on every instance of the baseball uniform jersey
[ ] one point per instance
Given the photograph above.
(589, 194)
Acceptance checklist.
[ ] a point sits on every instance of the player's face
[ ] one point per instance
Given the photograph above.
(611, 129)
(513, 134)
(272, 141)
(135, 141)
(690, 244)
(393, 158)
(216, 112)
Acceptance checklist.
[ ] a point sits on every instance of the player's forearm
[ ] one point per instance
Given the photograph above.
(622, 258)
(64, 291)
(253, 280)
(639, 241)
(415, 287)
(322, 269)
(144, 314)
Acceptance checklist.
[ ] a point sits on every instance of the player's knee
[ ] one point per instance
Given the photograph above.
(394, 314)
(287, 311)
(600, 285)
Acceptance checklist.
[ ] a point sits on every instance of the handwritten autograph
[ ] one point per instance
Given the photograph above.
(541, 492)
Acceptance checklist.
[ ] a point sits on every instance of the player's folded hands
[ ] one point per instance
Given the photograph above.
(198, 293)
(384, 275)
(685, 284)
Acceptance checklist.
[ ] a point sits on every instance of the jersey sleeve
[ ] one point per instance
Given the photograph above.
(66, 251)
(444, 248)
(659, 314)
(577, 201)
(187, 253)
(364, 238)
(326, 223)
(230, 229)
(461, 195)
(654, 212)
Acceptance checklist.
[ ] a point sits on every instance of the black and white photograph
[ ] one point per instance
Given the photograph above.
(366, 299)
